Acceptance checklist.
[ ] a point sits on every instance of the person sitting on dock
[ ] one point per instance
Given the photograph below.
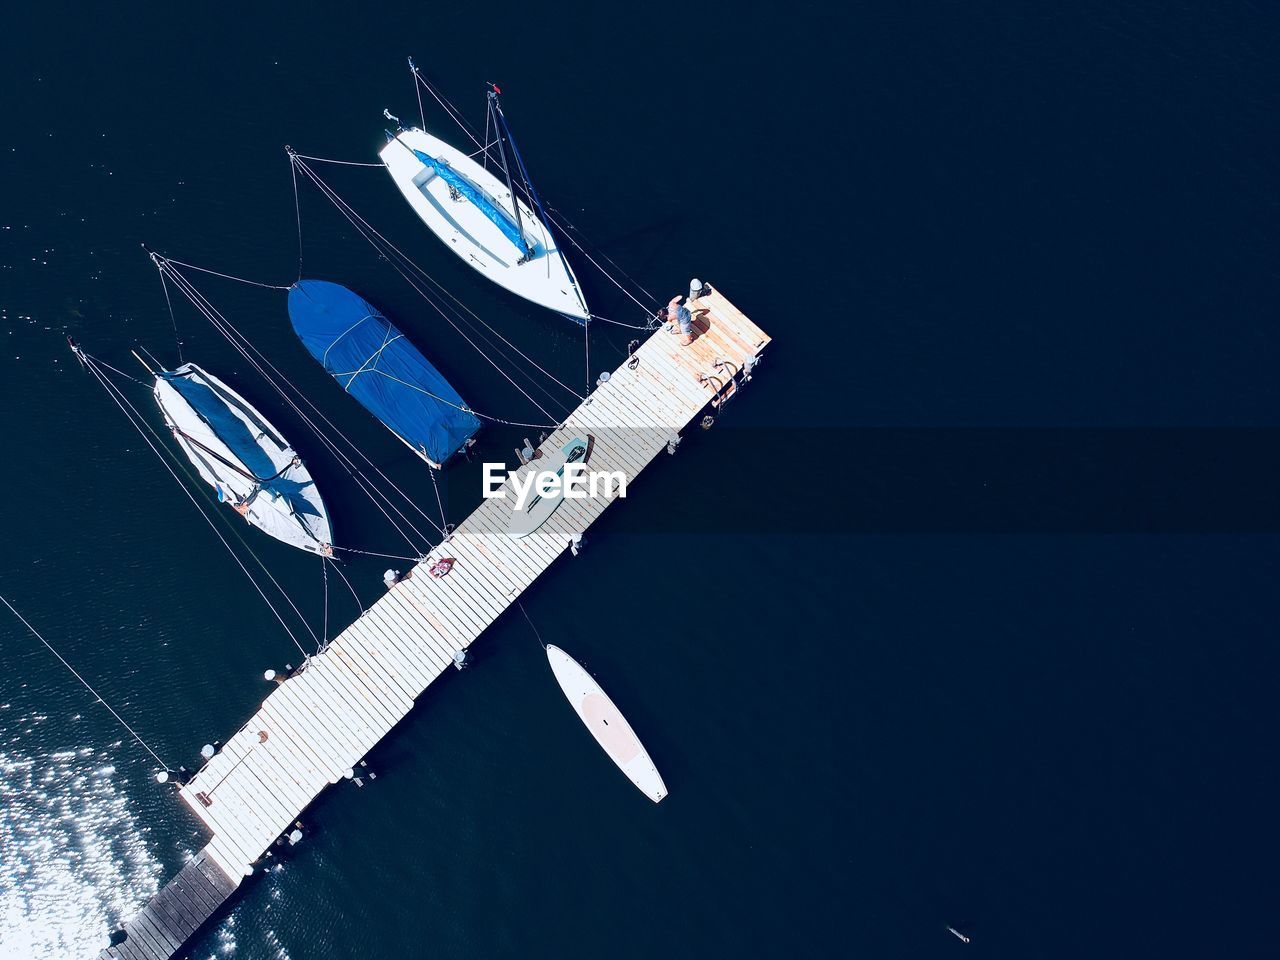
(681, 319)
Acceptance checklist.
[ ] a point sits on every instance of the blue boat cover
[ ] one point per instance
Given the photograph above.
(374, 363)
(226, 426)
(477, 196)
(213, 409)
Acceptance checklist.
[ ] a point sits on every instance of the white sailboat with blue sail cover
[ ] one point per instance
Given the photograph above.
(490, 223)
(243, 457)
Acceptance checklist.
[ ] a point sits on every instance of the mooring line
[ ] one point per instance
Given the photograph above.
(88, 686)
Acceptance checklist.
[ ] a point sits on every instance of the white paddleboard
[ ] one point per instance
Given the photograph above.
(538, 510)
(607, 725)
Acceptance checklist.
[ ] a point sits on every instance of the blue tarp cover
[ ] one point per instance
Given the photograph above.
(374, 363)
(229, 428)
(478, 197)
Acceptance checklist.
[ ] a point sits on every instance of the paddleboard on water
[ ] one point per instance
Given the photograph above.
(607, 724)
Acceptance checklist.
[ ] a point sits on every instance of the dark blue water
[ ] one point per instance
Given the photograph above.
(963, 614)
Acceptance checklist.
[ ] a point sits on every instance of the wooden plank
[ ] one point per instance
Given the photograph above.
(317, 720)
(373, 633)
(357, 724)
(427, 623)
(152, 934)
(202, 894)
(281, 711)
(401, 617)
(374, 679)
(380, 662)
(291, 752)
(178, 923)
(397, 619)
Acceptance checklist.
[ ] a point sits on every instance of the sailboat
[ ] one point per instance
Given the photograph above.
(482, 219)
(243, 457)
(374, 362)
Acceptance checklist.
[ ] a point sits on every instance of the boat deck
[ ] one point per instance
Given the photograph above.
(316, 726)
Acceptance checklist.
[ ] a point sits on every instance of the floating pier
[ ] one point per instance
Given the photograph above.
(317, 725)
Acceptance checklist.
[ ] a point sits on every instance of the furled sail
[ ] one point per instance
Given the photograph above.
(500, 218)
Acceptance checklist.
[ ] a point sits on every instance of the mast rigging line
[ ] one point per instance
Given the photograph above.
(88, 686)
(338, 570)
(634, 326)
(260, 363)
(143, 429)
(386, 249)
(214, 273)
(177, 341)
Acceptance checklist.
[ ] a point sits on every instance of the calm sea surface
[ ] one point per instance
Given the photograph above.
(965, 612)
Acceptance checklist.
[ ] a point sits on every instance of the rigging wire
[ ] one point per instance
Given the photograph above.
(449, 108)
(342, 163)
(444, 520)
(324, 630)
(338, 570)
(87, 685)
(224, 276)
(418, 91)
(143, 428)
(373, 553)
(176, 339)
(531, 623)
(297, 212)
(633, 326)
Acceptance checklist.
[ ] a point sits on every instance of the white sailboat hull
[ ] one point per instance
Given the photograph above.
(300, 520)
(546, 279)
(607, 724)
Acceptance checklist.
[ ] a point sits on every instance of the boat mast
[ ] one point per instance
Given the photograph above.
(494, 112)
(504, 133)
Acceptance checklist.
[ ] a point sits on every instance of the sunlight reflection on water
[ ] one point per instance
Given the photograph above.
(73, 860)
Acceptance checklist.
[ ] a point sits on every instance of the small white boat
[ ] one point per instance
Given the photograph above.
(538, 510)
(243, 457)
(607, 725)
(481, 220)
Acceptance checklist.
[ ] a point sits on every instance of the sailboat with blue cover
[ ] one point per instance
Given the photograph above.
(375, 363)
(243, 457)
(484, 220)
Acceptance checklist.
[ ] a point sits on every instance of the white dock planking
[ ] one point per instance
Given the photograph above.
(324, 719)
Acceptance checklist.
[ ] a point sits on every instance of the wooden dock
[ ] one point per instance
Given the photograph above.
(316, 726)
